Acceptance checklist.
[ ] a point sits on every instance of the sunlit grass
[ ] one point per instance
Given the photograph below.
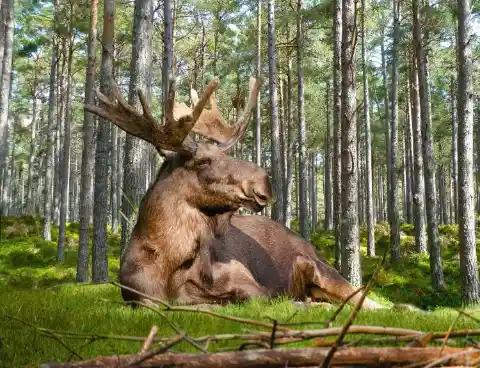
(36, 290)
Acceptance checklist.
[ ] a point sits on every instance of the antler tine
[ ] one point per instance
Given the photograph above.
(242, 122)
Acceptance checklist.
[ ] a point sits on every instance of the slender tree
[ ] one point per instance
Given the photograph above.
(134, 164)
(328, 222)
(337, 126)
(258, 66)
(350, 230)
(394, 219)
(453, 96)
(100, 194)
(290, 157)
(88, 153)
(368, 143)
(65, 169)
(466, 207)
(427, 152)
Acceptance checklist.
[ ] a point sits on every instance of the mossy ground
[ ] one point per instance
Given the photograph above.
(36, 290)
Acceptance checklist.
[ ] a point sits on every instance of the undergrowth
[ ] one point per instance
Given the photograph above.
(36, 292)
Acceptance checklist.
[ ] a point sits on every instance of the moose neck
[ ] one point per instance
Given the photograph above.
(167, 216)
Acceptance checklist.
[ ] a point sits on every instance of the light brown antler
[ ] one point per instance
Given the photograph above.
(212, 125)
(169, 136)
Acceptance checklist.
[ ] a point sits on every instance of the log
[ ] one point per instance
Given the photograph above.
(301, 357)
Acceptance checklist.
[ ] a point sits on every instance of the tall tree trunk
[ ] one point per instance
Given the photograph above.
(428, 154)
(419, 183)
(48, 201)
(328, 223)
(368, 143)
(408, 137)
(88, 153)
(276, 166)
(453, 97)
(290, 157)
(313, 191)
(466, 208)
(387, 121)
(103, 148)
(393, 191)
(258, 66)
(337, 131)
(5, 86)
(30, 208)
(381, 194)
(134, 165)
(65, 169)
(350, 230)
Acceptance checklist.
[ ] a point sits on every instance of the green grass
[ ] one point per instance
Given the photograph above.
(42, 294)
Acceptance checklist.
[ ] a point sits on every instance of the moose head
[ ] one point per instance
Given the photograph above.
(198, 183)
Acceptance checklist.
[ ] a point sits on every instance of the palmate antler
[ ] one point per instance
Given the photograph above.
(179, 118)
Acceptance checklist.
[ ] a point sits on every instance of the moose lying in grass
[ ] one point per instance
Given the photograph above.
(188, 245)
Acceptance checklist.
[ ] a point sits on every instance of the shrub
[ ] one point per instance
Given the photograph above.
(16, 230)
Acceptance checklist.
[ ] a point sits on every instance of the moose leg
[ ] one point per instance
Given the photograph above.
(322, 282)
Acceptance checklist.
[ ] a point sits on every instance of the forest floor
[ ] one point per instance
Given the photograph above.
(39, 300)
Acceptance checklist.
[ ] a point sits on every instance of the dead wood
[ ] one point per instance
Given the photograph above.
(302, 357)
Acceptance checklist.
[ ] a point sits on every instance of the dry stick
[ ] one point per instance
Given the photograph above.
(282, 357)
(450, 329)
(172, 325)
(170, 308)
(160, 350)
(328, 359)
(339, 309)
(148, 341)
(448, 357)
(48, 333)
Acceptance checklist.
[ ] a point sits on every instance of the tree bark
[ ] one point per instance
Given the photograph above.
(419, 183)
(337, 130)
(428, 153)
(5, 86)
(466, 207)
(350, 230)
(49, 156)
(453, 97)
(290, 157)
(276, 164)
(88, 153)
(328, 223)
(134, 184)
(65, 169)
(368, 143)
(29, 207)
(258, 66)
(103, 148)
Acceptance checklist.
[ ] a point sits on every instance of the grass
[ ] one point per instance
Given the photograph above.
(42, 294)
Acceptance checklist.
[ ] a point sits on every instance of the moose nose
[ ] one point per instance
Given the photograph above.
(263, 192)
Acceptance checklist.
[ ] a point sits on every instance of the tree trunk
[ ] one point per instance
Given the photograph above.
(290, 158)
(65, 169)
(368, 143)
(276, 165)
(88, 153)
(350, 230)
(387, 121)
(394, 219)
(337, 132)
(328, 223)
(258, 66)
(29, 207)
(5, 86)
(134, 165)
(48, 201)
(466, 208)
(408, 137)
(103, 148)
(453, 97)
(428, 154)
(115, 172)
(419, 183)
(313, 191)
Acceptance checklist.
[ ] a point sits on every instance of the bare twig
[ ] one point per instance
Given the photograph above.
(354, 313)
(149, 340)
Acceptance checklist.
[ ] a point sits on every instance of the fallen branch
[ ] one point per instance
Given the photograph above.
(306, 357)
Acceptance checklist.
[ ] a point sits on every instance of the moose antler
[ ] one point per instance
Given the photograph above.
(169, 136)
(212, 125)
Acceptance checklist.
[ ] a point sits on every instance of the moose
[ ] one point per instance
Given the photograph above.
(189, 244)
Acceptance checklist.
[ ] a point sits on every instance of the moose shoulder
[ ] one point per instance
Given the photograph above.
(187, 245)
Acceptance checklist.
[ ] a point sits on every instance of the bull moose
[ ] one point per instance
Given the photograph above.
(188, 244)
